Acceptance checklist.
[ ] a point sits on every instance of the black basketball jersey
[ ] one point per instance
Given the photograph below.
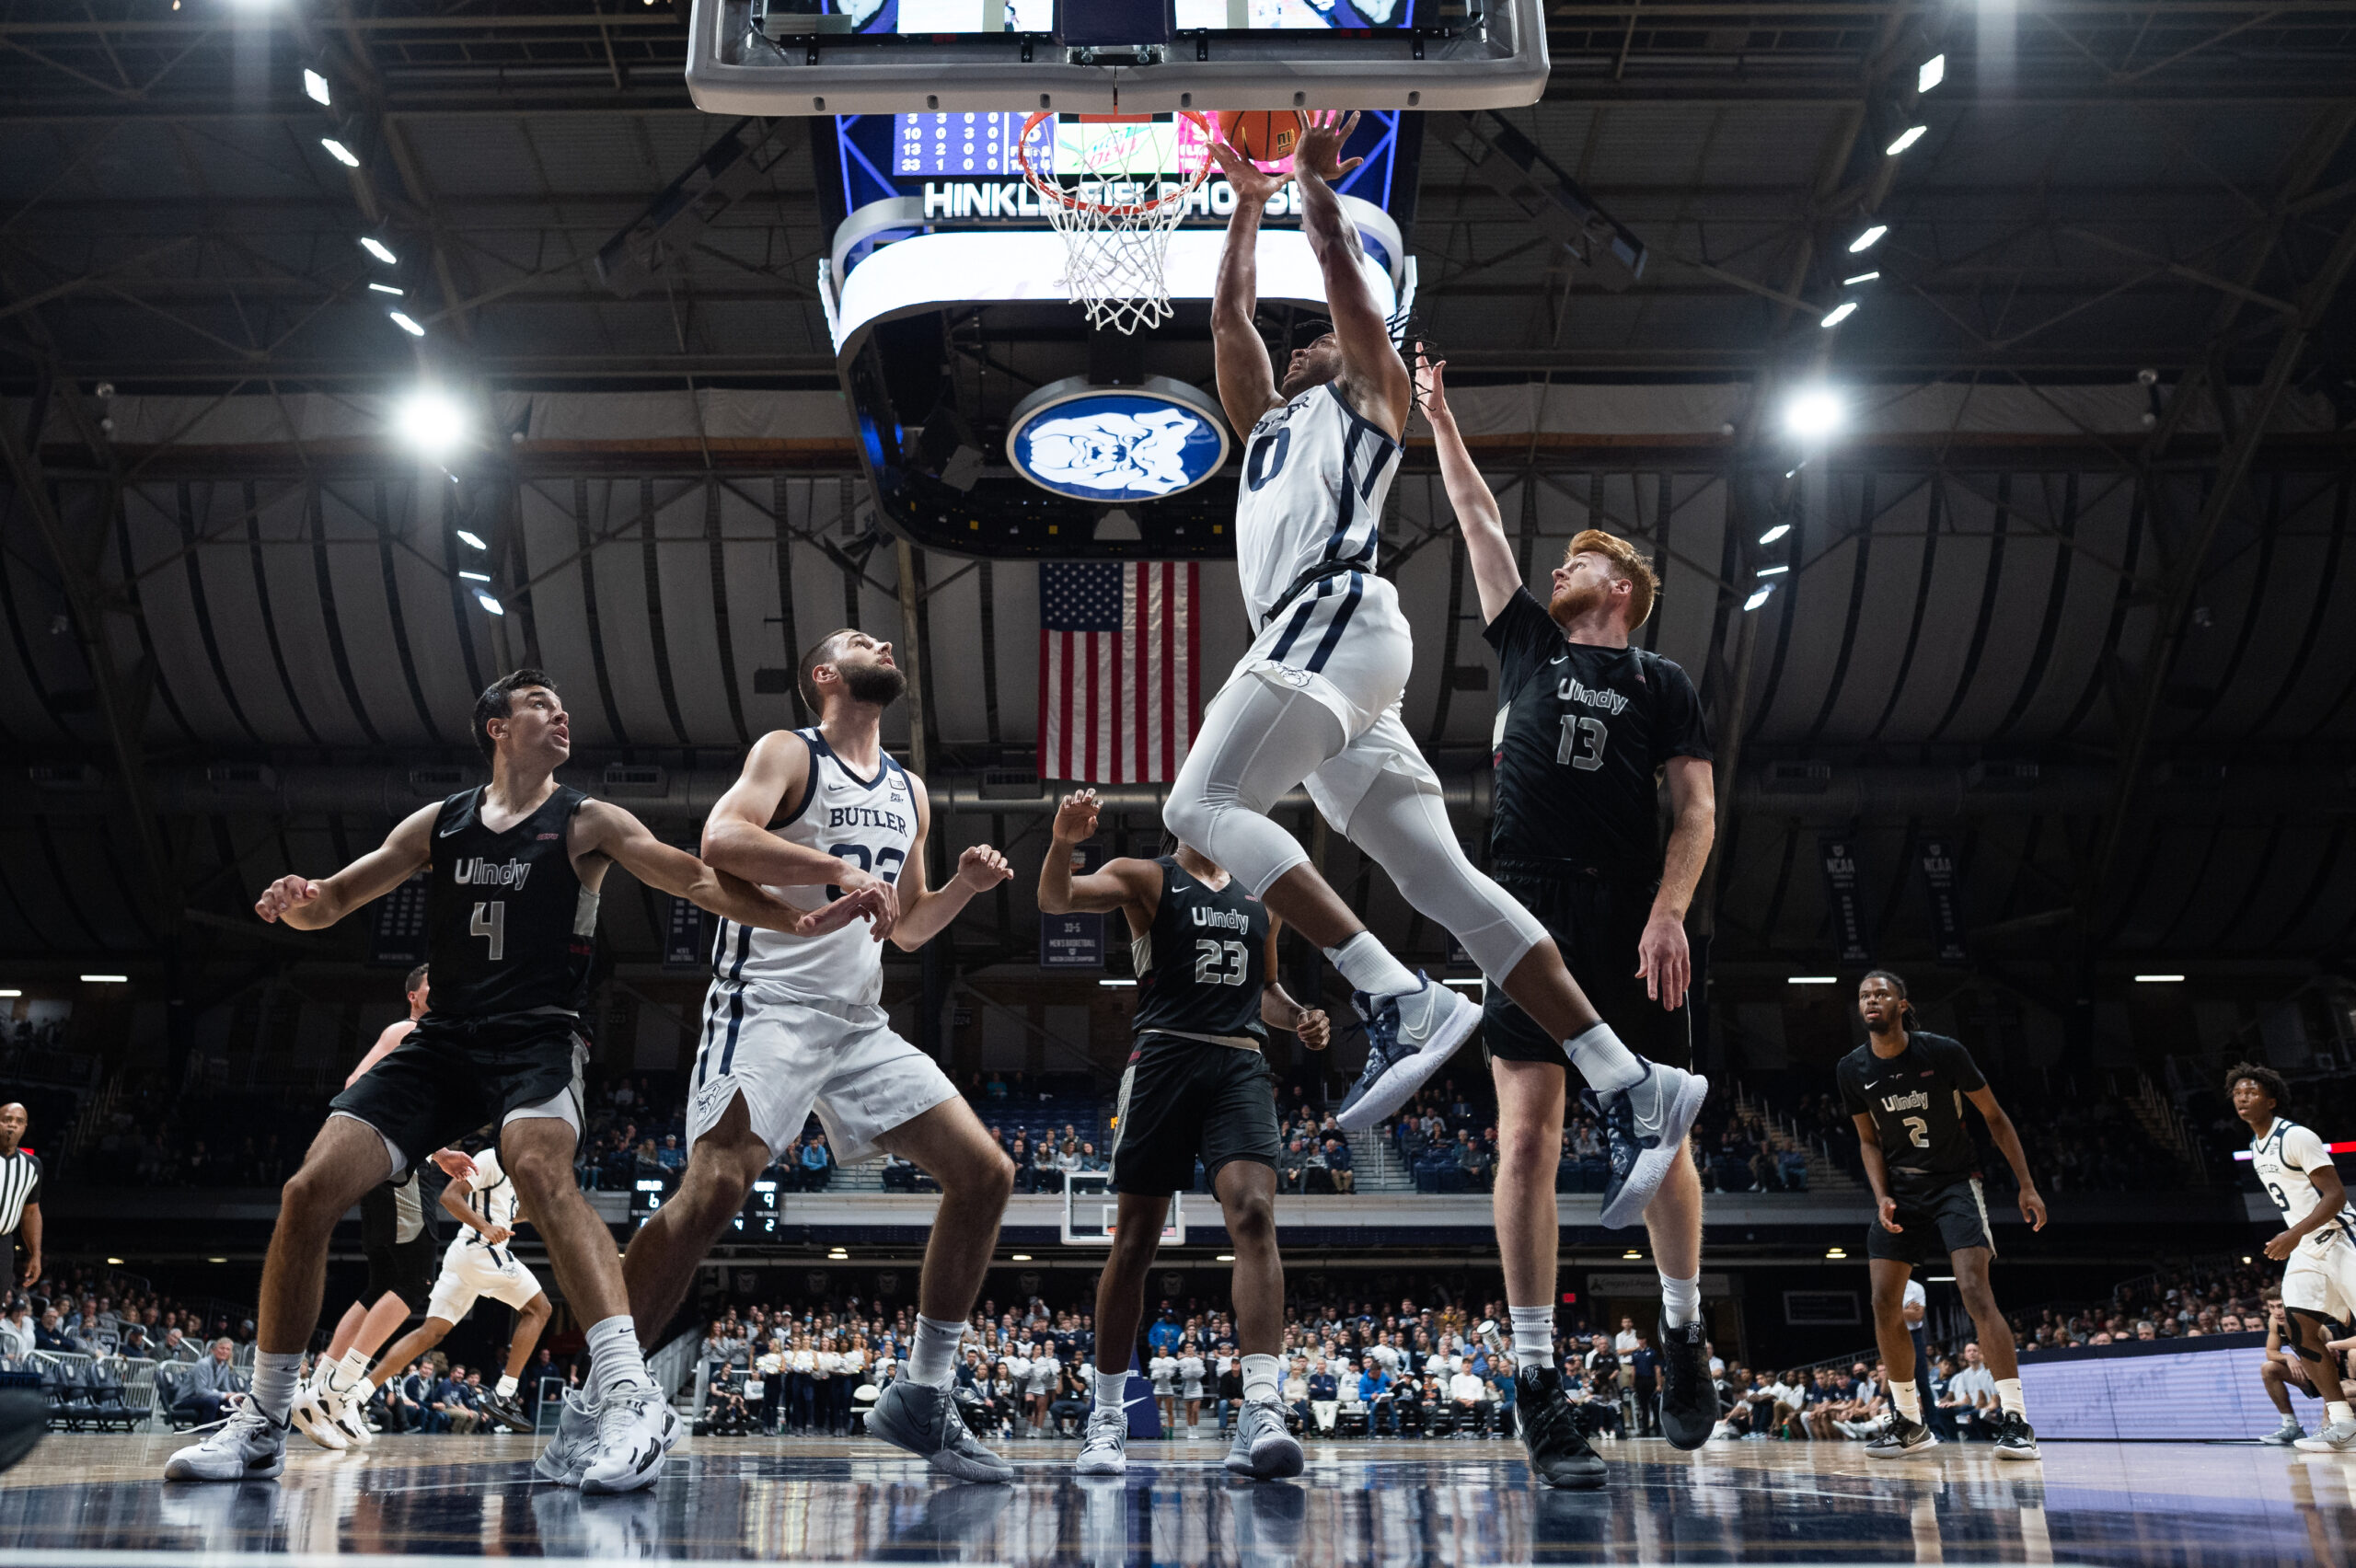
(1916, 1101)
(1203, 963)
(1582, 734)
(512, 930)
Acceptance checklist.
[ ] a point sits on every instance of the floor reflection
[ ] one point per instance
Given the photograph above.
(1394, 1506)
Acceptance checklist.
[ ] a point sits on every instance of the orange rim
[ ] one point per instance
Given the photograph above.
(1049, 190)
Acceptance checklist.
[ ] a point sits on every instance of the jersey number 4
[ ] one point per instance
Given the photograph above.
(1220, 963)
(1583, 743)
(491, 920)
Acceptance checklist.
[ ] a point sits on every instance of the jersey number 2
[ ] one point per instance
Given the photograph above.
(1220, 963)
(1919, 1131)
(491, 920)
(1583, 743)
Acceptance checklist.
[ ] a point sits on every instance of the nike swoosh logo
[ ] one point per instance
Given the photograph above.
(448, 831)
(1558, 658)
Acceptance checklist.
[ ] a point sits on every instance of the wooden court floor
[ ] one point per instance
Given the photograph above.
(1463, 1504)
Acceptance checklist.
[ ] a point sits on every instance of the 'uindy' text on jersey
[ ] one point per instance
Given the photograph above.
(1916, 1101)
(1582, 734)
(872, 822)
(491, 1198)
(2282, 1159)
(512, 930)
(1315, 472)
(1203, 963)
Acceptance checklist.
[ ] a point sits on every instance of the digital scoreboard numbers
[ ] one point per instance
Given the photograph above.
(757, 1220)
(979, 146)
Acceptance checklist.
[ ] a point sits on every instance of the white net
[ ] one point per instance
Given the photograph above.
(1115, 193)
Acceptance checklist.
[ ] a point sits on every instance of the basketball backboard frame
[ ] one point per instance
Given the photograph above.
(1494, 60)
(1090, 1191)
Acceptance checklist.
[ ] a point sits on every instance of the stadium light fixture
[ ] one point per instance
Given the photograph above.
(1632, 1253)
(341, 153)
(476, 576)
(1836, 1253)
(489, 604)
(216, 1260)
(1759, 598)
(114, 1262)
(10, 993)
(1839, 313)
(1906, 139)
(1017, 1257)
(379, 249)
(1868, 240)
(1813, 980)
(1770, 571)
(474, 540)
(431, 420)
(1117, 982)
(1933, 72)
(1860, 278)
(402, 319)
(1227, 1257)
(1777, 532)
(106, 979)
(2159, 979)
(316, 87)
(1812, 413)
(383, 288)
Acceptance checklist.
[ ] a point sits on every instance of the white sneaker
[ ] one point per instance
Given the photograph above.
(1645, 1127)
(1408, 1039)
(249, 1445)
(314, 1416)
(569, 1452)
(2285, 1435)
(1263, 1449)
(635, 1431)
(1104, 1444)
(923, 1420)
(2339, 1437)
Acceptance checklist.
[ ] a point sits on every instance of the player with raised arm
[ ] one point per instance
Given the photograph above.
(1588, 728)
(2316, 1245)
(1197, 1086)
(1906, 1088)
(1315, 699)
(515, 868)
(790, 1025)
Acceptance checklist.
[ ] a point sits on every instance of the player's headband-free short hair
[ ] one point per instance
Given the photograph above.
(498, 700)
(415, 978)
(1897, 982)
(2266, 1078)
(1628, 564)
(820, 652)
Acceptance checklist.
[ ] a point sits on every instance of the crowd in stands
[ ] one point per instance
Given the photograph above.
(84, 1312)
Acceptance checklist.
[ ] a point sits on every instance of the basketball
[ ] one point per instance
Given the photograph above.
(1263, 135)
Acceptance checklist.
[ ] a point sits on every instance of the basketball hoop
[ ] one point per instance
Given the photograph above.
(1116, 219)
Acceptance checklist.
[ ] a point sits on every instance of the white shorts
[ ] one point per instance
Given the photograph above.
(787, 1057)
(2324, 1282)
(1357, 673)
(470, 1272)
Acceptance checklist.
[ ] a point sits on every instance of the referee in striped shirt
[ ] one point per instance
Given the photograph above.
(19, 1193)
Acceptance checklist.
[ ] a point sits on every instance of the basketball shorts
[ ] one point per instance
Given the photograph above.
(471, 1273)
(788, 1056)
(2322, 1280)
(1938, 1222)
(455, 1075)
(1188, 1099)
(401, 1268)
(1597, 922)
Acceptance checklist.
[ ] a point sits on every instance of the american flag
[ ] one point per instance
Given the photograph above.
(1118, 693)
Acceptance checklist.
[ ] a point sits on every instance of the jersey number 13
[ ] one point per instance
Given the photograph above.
(1583, 743)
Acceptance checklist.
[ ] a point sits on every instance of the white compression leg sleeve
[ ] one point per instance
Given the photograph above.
(1257, 741)
(1406, 828)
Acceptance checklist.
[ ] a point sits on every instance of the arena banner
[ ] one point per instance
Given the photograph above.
(1941, 881)
(1838, 854)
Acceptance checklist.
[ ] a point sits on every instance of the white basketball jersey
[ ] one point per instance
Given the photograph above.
(872, 822)
(1315, 473)
(2283, 1158)
(492, 1197)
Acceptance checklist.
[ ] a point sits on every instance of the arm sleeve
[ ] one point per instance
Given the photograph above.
(1521, 634)
(2303, 1150)
(1685, 728)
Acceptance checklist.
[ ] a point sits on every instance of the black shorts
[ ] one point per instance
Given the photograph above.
(1597, 922)
(1936, 1222)
(1185, 1098)
(405, 1269)
(454, 1075)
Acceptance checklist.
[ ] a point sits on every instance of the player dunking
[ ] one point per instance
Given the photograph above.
(1586, 726)
(1315, 699)
(820, 814)
(1906, 1088)
(516, 867)
(2317, 1245)
(1196, 1086)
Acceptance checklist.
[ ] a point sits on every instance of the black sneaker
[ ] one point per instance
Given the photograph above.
(1902, 1437)
(1689, 1399)
(2015, 1439)
(1559, 1454)
(506, 1412)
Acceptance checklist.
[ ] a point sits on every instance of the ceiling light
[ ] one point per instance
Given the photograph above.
(430, 421)
(1759, 598)
(1813, 980)
(1867, 240)
(1933, 72)
(1117, 982)
(317, 87)
(1906, 139)
(1860, 278)
(1839, 313)
(1227, 1257)
(466, 539)
(1772, 570)
(1814, 412)
(11, 993)
(338, 152)
(1019, 1258)
(487, 602)
(376, 247)
(1836, 1251)
(2160, 979)
(106, 979)
(401, 319)
(1777, 532)
(476, 576)
(383, 288)
(114, 1262)
(216, 1260)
